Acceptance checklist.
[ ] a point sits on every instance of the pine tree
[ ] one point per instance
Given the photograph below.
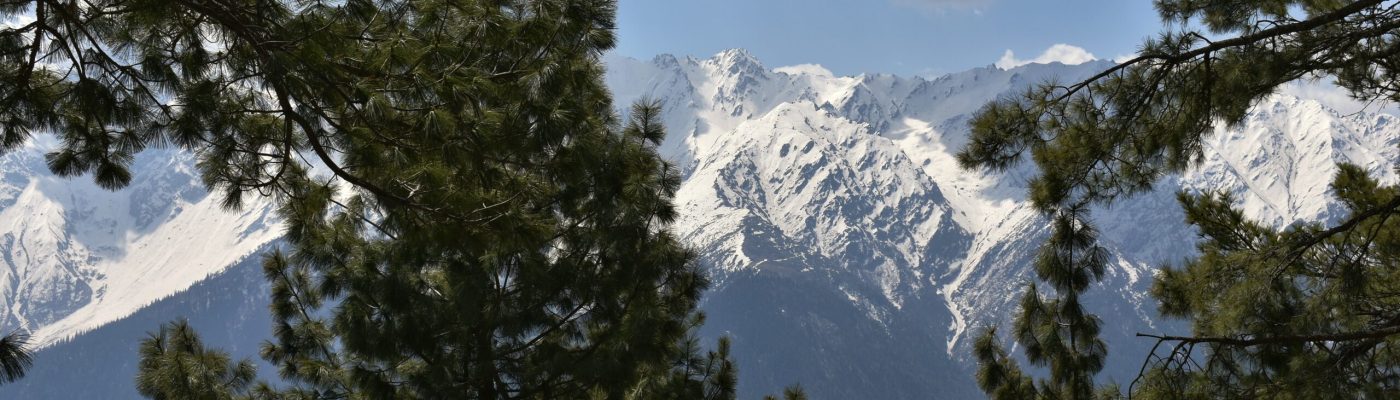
(15, 357)
(466, 214)
(692, 376)
(581, 296)
(794, 392)
(1056, 332)
(176, 365)
(1284, 313)
(1302, 312)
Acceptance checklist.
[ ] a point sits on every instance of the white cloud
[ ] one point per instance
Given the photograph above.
(942, 5)
(805, 69)
(1060, 53)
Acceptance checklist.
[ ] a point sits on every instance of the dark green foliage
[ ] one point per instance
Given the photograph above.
(14, 356)
(790, 393)
(467, 216)
(1056, 332)
(175, 365)
(1118, 133)
(691, 376)
(997, 373)
(562, 292)
(1304, 312)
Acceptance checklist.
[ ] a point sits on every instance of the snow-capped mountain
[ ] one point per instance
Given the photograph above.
(77, 256)
(229, 309)
(848, 251)
(851, 254)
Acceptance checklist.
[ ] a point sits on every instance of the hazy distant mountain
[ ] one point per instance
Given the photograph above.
(849, 253)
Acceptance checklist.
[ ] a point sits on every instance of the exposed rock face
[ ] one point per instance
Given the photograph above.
(848, 251)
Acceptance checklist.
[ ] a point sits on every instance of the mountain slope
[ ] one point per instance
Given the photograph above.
(848, 251)
(229, 310)
(77, 256)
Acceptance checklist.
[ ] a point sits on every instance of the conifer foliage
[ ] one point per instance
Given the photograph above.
(712, 376)
(1303, 312)
(1311, 310)
(467, 216)
(1056, 331)
(790, 393)
(176, 365)
(15, 357)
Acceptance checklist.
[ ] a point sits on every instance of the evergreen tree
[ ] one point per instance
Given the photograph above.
(794, 392)
(691, 376)
(1284, 313)
(1055, 331)
(1302, 312)
(15, 358)
(176, 365)
(467, 217)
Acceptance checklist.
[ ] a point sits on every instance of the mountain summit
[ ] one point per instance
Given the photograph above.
(851, 254)
(848, 251)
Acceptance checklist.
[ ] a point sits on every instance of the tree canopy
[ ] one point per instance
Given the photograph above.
(1296, 312)
(15, 356)
(175, 364)
(467, 215)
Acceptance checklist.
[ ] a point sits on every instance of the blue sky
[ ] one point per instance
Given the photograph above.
(905, 37)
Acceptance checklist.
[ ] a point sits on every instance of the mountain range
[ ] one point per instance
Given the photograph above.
(848, 252)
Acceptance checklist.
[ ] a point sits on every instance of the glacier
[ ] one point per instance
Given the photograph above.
(847, 250)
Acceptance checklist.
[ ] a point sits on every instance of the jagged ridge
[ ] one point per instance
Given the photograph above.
(849, 252)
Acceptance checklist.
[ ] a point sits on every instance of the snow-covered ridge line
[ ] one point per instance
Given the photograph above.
(847, 249)
(61, 335)
(852, 181)
(78, 256)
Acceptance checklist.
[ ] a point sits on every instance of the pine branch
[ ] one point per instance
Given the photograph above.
(1379, 333)
(15, 356)
(1347, 226)
(1277, 31)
